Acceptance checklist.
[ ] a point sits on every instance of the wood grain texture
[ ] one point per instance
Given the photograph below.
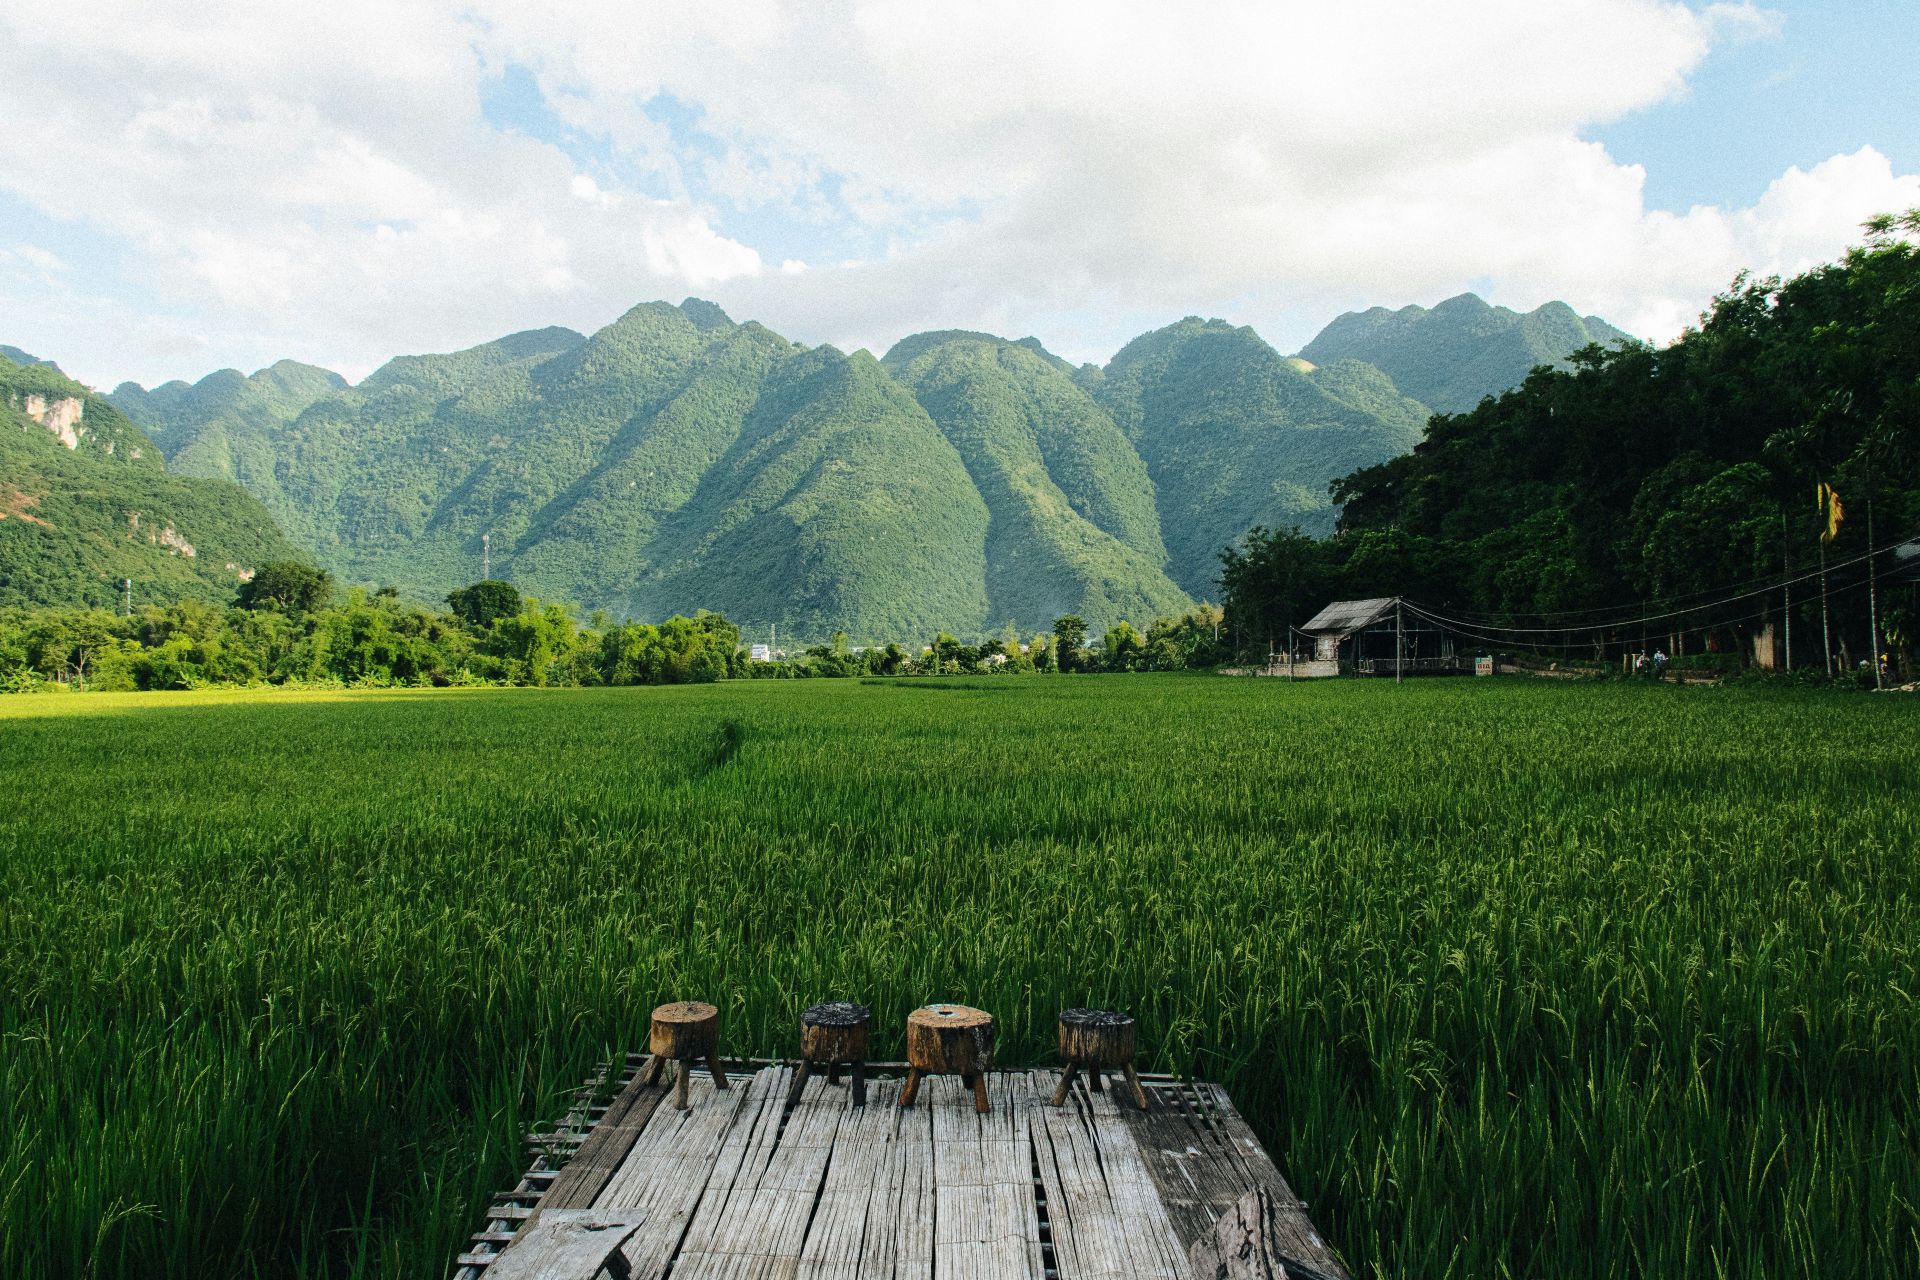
(763, 1180)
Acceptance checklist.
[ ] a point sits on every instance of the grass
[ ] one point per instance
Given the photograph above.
(1514, 979)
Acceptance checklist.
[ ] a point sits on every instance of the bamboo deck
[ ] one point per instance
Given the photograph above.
(742, 1185)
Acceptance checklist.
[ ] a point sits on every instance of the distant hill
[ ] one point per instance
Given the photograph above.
(17, 356)
(676, 460)
(1452, 356)
(86, 501)
(177, 415)
(1235, 435)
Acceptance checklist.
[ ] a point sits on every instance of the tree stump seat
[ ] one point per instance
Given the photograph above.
(683, 1033)
(832, 1035)
(949, 1039)
(1097, 1041)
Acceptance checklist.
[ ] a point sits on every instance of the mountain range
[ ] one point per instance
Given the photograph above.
(87, 502)
(676, 459)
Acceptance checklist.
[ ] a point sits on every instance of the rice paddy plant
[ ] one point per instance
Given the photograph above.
(1513, 979)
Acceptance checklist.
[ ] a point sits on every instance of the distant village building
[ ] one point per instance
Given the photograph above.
(761, 653)
(1378, 637)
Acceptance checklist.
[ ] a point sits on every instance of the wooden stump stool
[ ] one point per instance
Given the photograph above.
(1097, 1041)
(684, 1032)
(832, 1034)
(949, 1039)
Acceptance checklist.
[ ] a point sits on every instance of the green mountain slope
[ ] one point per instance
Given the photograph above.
(192, 420)
(1072, 523)
(840, 505)
(86, 501)
(1234, 435)
(17, 356)
(1462, 350)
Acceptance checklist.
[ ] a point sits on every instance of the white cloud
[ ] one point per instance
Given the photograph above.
(322, 182)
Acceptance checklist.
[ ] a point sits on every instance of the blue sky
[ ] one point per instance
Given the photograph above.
(228, 185)
(1840, 75)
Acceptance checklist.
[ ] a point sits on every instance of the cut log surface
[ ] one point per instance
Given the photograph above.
(835, 1032)
(685, 1031)
(949, 1039)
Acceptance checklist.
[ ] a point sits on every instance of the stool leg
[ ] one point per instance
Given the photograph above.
(1133, 1083)
(680, 1086)
(833, 1073)
(1097, 1079)
(980, 1102)
(912, 1087)
(799, 1082)
(651, 1072)
(719, 1076)
(859, 1082)
(1066, 1082)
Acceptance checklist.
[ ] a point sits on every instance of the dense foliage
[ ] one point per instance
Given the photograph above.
(294, 636)
(1681, 483)
(80, 516)
(1462, 350)
(1599, 989)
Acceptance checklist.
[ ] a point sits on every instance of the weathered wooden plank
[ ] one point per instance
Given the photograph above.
(744, 1184)
(1295, 1231)
(1246, 1244)
(605, 1148)
(669, 1168)
(567, 1244)
(985, 1224)
(1203, 1158)
(1108, 1221)
(757, 1223)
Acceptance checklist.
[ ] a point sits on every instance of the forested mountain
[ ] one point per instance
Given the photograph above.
(1779, 440)
(18, 356)
(676, 460)
(1462, 350)
(1235, 435)
(86, 501)
(1072, 522)
(179, 416)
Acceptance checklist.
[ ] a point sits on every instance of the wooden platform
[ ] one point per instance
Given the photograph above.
(742, 1185)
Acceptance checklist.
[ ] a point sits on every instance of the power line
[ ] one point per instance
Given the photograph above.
(1771, 582)
(1614, 624)
(1486, 636)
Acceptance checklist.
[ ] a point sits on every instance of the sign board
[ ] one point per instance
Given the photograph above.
(1483, 666)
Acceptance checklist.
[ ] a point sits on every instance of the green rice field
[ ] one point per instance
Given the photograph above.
(1515, 979)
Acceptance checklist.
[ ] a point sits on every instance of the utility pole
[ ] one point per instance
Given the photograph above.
(1826, 633)
(486, 557)
(1873, 596)
(1786, 571)
(1399, 642)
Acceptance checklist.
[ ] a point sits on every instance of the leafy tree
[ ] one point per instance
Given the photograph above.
(485, 602)
(286, 585)
(1069, 634)
(1123, 646)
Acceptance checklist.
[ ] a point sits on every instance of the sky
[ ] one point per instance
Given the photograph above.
(186, 187)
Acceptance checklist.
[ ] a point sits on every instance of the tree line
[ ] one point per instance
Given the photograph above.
(1749, 477)
(288, 625)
